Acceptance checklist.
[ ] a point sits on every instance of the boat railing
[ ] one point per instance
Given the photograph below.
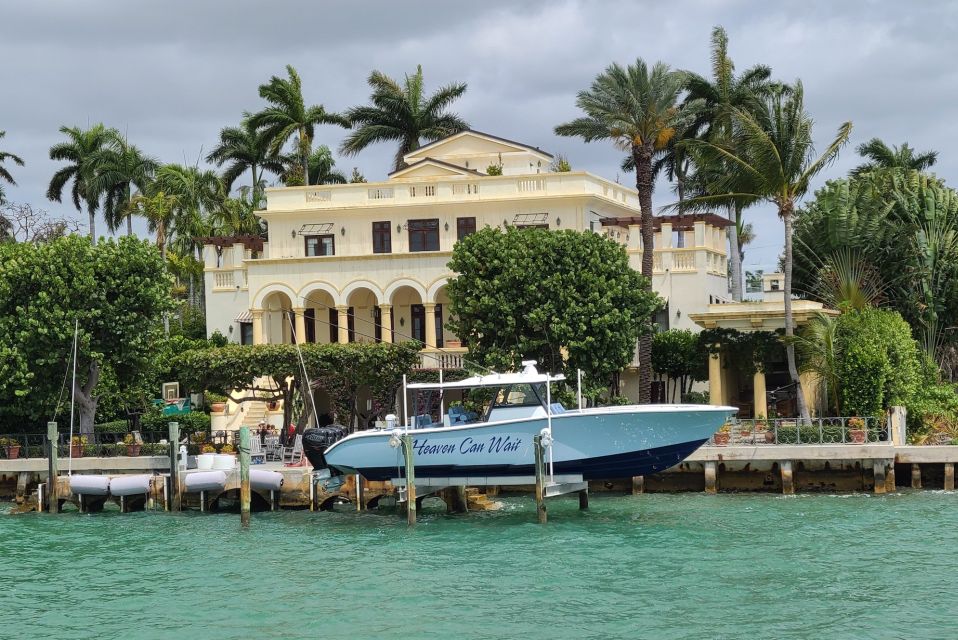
(792, 431)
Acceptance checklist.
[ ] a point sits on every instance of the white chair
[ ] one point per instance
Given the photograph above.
(294, 455)
(256, 453)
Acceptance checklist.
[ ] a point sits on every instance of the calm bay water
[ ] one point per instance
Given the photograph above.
(653, 566)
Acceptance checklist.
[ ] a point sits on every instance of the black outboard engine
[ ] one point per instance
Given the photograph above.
(317, 440)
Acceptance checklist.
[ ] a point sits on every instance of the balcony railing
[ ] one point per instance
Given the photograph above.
(223, 280)
(781, 431)
(447, 358)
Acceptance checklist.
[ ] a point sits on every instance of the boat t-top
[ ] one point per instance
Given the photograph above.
(594, 443)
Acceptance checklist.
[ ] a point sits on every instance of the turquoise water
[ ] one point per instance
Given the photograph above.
(652, 566)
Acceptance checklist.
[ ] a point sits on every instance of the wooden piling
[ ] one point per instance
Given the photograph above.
(584, 499)
(360, 493)
(638, 485)
(711, 480)
(244, 458)
(540, 479)
(175, 497)
(916, 476)
(53, 499)
(890, 477)
(949, 476)
(410, 479)
(122, 504)
(878, 468)
(788, 484)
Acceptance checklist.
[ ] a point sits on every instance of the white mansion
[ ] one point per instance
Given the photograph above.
(367, 261)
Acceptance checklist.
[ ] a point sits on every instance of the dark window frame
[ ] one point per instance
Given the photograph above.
(465, 226)
(319, 244)
(382, 237)
(423, 235)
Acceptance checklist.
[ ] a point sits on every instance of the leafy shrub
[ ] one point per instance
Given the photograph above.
(696, 397)
(114, 426)
(154, 420)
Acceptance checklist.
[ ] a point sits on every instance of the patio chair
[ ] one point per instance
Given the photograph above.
(272, 448)
(294, 455)
(256, 453)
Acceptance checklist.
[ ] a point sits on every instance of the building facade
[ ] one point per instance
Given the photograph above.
(368, 261)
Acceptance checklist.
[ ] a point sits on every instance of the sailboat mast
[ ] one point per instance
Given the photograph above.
(73, 391)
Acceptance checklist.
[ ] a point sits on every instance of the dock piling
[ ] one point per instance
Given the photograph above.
(360, 491)
(584, 499)
(878, 467)
(245, 497)
(410, 479)
(638, 485)
(788, 479)
(540, 479)
(53, 500)
(915, 476)
(949, 476)
(711, 473)
(176, 496)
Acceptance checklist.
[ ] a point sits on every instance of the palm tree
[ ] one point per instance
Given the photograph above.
(235, 217)
(4, 174)
(638, 109)
(288, 116)
(245, 149)
(81, 151)
(119, 167)
(717, 95)
(771, 154)
(159, 209)
(322, 168)
(880, 156)
(403, 114)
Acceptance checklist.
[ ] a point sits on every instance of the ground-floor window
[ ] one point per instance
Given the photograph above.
(246, 332)
(418, 317)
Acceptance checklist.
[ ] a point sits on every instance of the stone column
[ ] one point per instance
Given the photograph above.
(258, 337)
(430, 308)
(343, 324)
(715, 379)
(386, 318)
(299, 314)
(761, 405)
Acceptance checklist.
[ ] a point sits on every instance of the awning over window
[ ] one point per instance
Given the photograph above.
(245, 316)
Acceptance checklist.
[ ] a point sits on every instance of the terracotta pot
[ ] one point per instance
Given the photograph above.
(857, 435)
(721, 439)
(770, 437)
(76, 450)
(217, 407)
(13, 451)
(133, 450)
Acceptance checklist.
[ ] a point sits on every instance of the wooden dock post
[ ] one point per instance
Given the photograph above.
(949, 476)
(878, 467)
(638, 485)
(540, 479)
(53, 500)
(890, 476)
(360, 494)
(175, 497)
(410, 479)
(244, 476)
(788, 483)
(711, 477)
(916, 476)
(584, 499)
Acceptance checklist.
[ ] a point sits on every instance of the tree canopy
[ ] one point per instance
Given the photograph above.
(568, 299)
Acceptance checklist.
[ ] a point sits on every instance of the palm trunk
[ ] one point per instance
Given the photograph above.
(166, 315)
(642, 155)
(129, 209)
(786, 213)
(735, 261)
(304, 149)
(92, 213)
(253, 194)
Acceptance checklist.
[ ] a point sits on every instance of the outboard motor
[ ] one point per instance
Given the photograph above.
(317, 440)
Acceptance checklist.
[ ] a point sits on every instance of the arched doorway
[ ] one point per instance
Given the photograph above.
(277, 316)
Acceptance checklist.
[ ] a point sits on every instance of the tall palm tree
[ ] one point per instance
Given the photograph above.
(235, 217)
(403, 114)
(81, 151)
(717, 96)
(4, 174)
(288, 116)
(771, 154)
(244, 148)
(881, 156)
(322, 168)
(638, 109)
(119, 168)
(159, 209)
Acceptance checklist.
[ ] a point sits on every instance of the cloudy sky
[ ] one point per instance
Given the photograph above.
(172, 73)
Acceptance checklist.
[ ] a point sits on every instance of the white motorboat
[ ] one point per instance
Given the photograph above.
(594, 443)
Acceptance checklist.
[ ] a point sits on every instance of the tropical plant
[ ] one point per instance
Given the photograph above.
(235, 217)
(119, 167)
(771, 154)
(717, 96)
(404, 114)
(81, 151)
(243, 148)
(159, 211)
(357, 176)
(638, 109)
(288, 116)
(817, 352)
(678, 355)
(567, 299)
(5, 175)
(881, 156)
(322, 167)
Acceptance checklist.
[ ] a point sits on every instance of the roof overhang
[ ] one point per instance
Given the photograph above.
(758, 316)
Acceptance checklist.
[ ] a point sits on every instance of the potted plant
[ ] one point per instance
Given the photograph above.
(272, 405)
(227, 449)
(856, 430)
(11, 446)
(722, 436)
(762, 431)
(77, 444)
(217, 402)
(204, 461)
(132, 446)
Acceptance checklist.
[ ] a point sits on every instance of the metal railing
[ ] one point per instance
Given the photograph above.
(102, 445)
(781, 431)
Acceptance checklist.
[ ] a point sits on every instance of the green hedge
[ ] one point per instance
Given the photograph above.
(114, 426)
(190, 422)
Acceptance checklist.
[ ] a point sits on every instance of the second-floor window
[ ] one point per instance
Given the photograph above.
(324, 245)
(424, 235)
(465, 227)
(382, 237)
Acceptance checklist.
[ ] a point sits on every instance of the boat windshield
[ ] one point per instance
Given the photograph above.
(521, 395)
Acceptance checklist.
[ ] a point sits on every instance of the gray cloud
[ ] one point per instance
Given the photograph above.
(173, 73)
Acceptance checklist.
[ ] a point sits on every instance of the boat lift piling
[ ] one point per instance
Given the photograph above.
(540, 480)
(244, 460)
(53, 501)
(175, 495)
(407, 451)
